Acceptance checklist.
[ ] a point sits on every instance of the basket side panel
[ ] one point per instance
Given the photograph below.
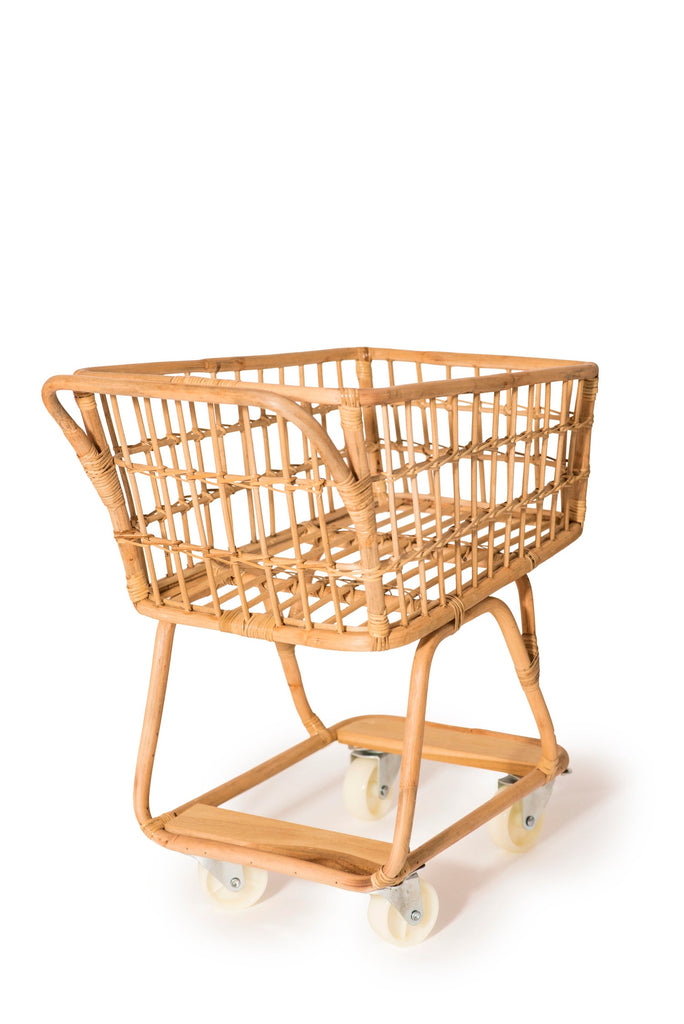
(467, 484)
(236, 514)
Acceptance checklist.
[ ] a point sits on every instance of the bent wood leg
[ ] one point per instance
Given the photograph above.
(411, 756)
(310, 721)
(524, 653)
(527, 669)
(200, 828)
(161, 660)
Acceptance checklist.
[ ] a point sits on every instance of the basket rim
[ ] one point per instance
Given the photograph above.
(219, 364)
(175, 378)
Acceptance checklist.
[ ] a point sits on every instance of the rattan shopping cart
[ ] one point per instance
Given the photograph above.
(350, 500)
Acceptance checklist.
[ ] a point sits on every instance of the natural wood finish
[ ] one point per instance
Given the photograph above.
(161, 661)
(329, 849)
(255, 776)
(366, 538)
(310, 720)
(357, 638)
(504, 799)
(335, 858)
(340, 864)
(451, 744)
(326, 873)
(527, 668)
(354, 499)
(411, 756)
(316, 499)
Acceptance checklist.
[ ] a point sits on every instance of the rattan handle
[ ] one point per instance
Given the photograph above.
(75, 435)
(101, 470)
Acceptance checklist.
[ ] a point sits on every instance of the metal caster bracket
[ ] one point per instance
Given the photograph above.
(388, 768)
(534, 804)
(230, 875)
(406, 898)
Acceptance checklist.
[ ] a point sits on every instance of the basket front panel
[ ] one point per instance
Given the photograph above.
(236, 513)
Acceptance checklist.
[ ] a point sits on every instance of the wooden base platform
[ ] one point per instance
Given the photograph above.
(476, 748)
(336, 850)
(205, 829)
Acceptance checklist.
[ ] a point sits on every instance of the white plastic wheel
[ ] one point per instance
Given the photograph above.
(235, 899)
(387, 922)
(508, 832)
(361, 792)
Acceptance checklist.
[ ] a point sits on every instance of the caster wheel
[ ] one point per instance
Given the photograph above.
(508, 832)
(388, 923)
(235, 899)
(361, 793)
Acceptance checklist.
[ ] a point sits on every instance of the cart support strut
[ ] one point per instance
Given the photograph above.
(200, 827)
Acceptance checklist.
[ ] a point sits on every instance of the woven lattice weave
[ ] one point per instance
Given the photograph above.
(347, 499)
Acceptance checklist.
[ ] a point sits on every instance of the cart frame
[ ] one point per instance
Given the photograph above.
(548, 515)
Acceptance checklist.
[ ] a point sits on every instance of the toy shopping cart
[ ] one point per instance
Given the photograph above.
(351, 500)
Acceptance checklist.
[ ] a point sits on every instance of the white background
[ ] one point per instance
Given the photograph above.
(196, 179)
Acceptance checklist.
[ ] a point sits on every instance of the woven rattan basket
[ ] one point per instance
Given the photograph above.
(348, 499)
